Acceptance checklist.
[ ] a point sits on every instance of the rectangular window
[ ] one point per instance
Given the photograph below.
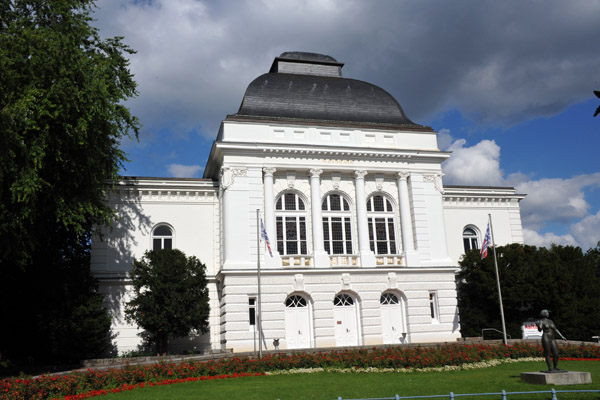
(252, 311)
(433, 307)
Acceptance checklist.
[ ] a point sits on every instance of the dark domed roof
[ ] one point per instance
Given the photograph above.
(309, 86)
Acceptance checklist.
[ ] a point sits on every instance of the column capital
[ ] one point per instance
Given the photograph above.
(360, 174)
(403, 175)
(269, 171)
(315, 172)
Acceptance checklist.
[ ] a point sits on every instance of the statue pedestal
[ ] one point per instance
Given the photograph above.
(557, 378)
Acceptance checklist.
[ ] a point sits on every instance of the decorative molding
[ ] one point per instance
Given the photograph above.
(360, 174)
(335, 180)
(346, 284)
(379, 182)
(403, 175)
(299, 282)
(228, 175)
(291, 178)
(436, 179)
(315, 172)
(392, 281)
(269, 171)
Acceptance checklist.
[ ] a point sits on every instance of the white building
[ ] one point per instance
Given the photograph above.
(366, 239)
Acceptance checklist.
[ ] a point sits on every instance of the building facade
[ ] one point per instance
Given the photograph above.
(365, 238)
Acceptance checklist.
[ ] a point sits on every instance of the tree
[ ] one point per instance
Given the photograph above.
(561, 279)
(170, 296)
(61, 121)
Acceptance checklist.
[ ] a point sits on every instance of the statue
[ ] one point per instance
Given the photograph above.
(549, 344)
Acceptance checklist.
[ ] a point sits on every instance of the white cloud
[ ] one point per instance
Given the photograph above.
(500, 62)
(549, 200)
(555, 200)
(587, 231)
(475, 165)
(533, 238)
(184, 171)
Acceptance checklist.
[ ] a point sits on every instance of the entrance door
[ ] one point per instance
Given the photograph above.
(297, 323)
(346, 324)
(392, 319)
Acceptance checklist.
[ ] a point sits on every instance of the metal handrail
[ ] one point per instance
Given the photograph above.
(503, 393)
(492, 329)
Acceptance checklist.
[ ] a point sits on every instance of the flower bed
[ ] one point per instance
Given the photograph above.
(80, 385)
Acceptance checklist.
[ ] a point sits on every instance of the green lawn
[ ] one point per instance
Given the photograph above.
(325, 385)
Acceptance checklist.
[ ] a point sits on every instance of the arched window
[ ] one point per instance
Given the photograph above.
(162, 238)
(380, 217)
(337, 228)
(295, 301)
(290, 217)
(470, 239)
(342, 300)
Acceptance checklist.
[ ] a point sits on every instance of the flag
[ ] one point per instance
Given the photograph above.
(486, 241)
(263, 234)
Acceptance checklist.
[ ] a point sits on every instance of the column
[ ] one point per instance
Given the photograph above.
(408, 244)
(269, 203)
(269, 216)
(320, 257)
(367, 257)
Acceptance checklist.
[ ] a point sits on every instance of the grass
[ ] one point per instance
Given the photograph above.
(329, 385)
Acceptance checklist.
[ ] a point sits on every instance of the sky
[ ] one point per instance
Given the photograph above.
(508, 85)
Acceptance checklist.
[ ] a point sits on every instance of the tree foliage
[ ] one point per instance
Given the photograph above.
(561, 279)
(170, 296)
(61, 121)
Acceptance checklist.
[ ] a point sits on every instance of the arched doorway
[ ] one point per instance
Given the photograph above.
(297, 322)
(393, 320)
(345, 320)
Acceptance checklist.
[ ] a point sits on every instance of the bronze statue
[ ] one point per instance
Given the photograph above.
(549, 344)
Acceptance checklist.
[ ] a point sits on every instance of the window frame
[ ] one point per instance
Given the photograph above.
(331, 219)
(389, 217)
(471, 238)
(154, 237)
(285, 218)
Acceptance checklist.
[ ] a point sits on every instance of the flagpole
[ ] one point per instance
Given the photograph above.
(498, 281)
(259, 309)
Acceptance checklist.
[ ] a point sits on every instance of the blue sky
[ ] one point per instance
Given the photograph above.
(508, 85)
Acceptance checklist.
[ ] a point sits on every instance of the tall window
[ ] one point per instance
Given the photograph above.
(337, 228)
(162, 238)
(470, 239)
(433, 307)
(290, 217)
(252, 312)
(380, 217)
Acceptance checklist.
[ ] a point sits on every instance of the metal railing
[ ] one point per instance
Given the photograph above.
(503, 393)
(492, 329)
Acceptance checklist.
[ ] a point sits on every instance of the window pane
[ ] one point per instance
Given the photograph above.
(467, 244)
(300, 204)
(370, 227)
(168, 243)
(291, 232)
(389, 205)
(303, 247)
(349, 247)
(391, 231)
(348, 229)
(156, 244)
(291, 247)
(369, 204)
(382, 248)
(378, 203)
(302, 228)
(163, 231)
(278, 204)
(290, 201)
(336, 229)
(380, 229)
(346, 206)
(334, 201)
